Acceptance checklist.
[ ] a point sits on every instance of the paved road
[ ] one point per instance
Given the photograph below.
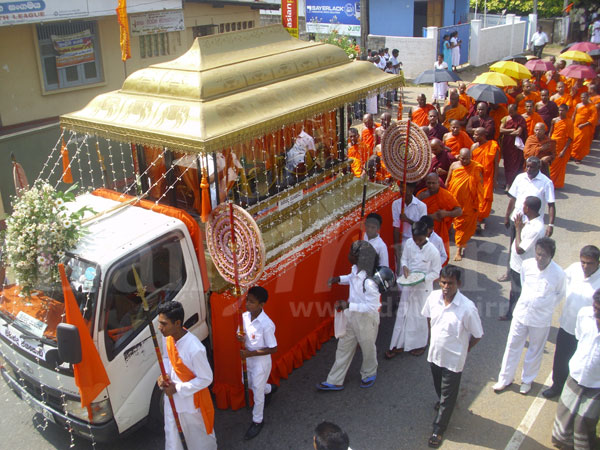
(397, 412)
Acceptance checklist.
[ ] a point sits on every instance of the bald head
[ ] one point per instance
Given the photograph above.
(421, 100)
(464, 156)
(455, 127)
(436, 146)
(368, 120)
(454, 97)
(433, 183)
(479, 135)
(386, 120)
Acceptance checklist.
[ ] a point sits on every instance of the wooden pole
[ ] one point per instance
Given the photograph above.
(403, 203)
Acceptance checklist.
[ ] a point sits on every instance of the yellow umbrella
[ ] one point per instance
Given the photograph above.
(495, 79)
(512, 69)
(575, 55)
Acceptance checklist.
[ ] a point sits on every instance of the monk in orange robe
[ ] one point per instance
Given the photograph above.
(420, 115)
(562, 97)
(498, 112)
(463, 98)
(487, 153)
(577, 88)
(359, 153)
(531, 117)
(562, 133)
(454, 111)
(594, 97)
(584, 121)
(441, 206)
(368, 135)
(465, 183)
(541, 146)
(527, 94)
(457, 138)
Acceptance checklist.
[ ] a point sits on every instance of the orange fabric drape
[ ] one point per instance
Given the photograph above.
(562, 131)
(67, 176)
(466, 185)
(498, 114)
(202, 398)
(456, 143)
(155, 163)
(582, 138)
(458, 113)
(420, 116)
(486, 156)
(442, 200)
(124, 39)
(532, 121)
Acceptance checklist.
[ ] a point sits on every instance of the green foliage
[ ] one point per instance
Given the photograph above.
(342, 41)
(546, 8)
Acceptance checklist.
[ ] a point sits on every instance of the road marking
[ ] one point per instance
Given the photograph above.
(532, 413)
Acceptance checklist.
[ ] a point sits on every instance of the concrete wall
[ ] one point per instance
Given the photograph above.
(416, 54)
(494, 43)
(391, 18)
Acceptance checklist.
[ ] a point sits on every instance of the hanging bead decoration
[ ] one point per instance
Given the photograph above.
(89, 161)
(51, 155)
(74, 158)
(112, 164)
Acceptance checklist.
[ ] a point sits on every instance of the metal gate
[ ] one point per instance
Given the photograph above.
(464, 34)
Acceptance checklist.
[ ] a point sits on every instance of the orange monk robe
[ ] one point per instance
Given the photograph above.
(498, 114)
(531, 121)
(420, 116)
(564, 100)
(577, 97)
(562, 131)
(382, 173)
(463, 140)
(466, 100)
(522, 98)
(582, 138)
(551, 86)
(466, 185)
(369, 137)
(457, 113)
(442, 200)
(359, 153)
(486, 156)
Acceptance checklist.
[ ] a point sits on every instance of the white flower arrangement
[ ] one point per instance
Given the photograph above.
(38, 233)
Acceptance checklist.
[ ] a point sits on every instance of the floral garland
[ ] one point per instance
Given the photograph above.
(342, 41)
(38, 233)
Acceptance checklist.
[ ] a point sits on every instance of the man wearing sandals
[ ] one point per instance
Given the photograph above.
(455, 328)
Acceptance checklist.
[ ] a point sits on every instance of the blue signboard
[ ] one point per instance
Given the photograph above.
(324, 15)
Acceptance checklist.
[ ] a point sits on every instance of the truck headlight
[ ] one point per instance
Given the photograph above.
(101, 411)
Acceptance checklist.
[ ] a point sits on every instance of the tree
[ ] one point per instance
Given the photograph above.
(546, 8)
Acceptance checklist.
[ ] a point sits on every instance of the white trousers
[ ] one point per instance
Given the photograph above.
(259, 369)
(518, 334)
(193, 430)
(410, 329)
(361, 330)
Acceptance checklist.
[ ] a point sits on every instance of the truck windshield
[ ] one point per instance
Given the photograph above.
(40, 313)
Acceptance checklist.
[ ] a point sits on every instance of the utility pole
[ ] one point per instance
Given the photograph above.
(364, 25)
(535, 7)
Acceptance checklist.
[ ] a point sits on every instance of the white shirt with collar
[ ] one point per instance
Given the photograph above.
(364, 295)
(541, 292)
(579, 294)
(381, 249)
(530, 233)
(539, 39)
(260, 333)
(414, 211)
(584, 366)
(424, 259)
(438, 243)
(451, 329)
(539, 186)
(395, 62)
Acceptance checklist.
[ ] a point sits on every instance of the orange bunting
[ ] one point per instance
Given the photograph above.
(206, 206)
(67, 176)
(124, 30)
(90, 375)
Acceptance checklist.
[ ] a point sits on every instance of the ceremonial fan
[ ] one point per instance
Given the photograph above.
(237, 249)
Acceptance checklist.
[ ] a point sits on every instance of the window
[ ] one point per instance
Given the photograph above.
(154, 45)
(161, 269)
(70, 54)
(233, 26)
(205, 30)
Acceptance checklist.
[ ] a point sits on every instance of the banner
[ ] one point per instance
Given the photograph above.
(124, 40)
(73, 49)
(156, 22)
(325, 16)
(289, 16)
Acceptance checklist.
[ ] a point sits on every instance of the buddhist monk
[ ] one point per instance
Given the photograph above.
(435, 130)
(442, 159)
(487, 153)
(562, 133)
(368, 136)
(553, 79)
(420, 115)
(454, 111)
(482, 119)
(584, 121)
(497, 112)
(457, 138)
(527, 94)
(463, 98)
(562, 97)
(441, 206)
(594, 97)
(515, 126)
(577, 88)
(531, 117)
(359, 153)
(465, 183)
(542, 147)
(386, 121)
(546, 108)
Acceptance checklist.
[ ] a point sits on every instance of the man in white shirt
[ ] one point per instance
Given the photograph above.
(529, 228)
(434, 238)
(362, 314)
(531, 182)
(372, 226)
(543, 287)
(410, 329)
(455, 328)
(539, 41)
(414, 209)
(189, 375)
(578, 410)
(583, 279)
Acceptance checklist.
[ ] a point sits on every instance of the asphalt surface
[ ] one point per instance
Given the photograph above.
(397, 412)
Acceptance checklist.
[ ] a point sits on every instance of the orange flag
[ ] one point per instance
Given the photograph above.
(67, 176)
(206, 206)
(90, 375)
(124, 30)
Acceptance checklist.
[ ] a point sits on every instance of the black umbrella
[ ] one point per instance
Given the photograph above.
(594, 53)
(568, 47)
(521, 59)
(487, 93)
(436, 76)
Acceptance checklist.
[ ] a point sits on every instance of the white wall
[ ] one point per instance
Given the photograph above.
(494, 43)
(416, 54)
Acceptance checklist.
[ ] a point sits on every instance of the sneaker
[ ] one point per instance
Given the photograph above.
(551, 392)
(253, 431)
(525, 388)
(270, 394)
(499, 386)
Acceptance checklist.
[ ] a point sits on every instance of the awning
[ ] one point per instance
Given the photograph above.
(227, 89)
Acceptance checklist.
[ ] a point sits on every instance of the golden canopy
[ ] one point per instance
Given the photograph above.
(229, 88)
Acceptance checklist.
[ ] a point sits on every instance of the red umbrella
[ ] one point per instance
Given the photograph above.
(539, 65)
(584, 46)
(578, 71)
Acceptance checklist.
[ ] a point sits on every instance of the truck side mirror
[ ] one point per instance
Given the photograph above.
(69, 343)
